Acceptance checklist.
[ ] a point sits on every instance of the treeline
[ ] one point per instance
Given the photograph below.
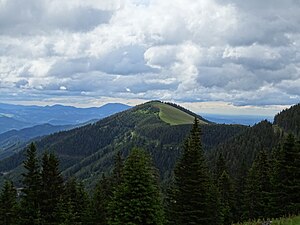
(132, 193)
(289, 120)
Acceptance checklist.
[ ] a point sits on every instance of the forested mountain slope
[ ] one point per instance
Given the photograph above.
(88, 151)
(11, 141)
(289, 120)
(265, 135)
(243, 148)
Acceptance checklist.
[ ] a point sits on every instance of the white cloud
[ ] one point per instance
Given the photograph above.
(211, 50)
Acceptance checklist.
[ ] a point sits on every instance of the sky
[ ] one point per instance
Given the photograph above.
(212, 56)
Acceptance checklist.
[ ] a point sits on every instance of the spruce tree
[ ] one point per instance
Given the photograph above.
(223, 191)
(220, 167)
(76, 198)
(258, 188)
(240, 186)
(102, 197)
(52, 188)
(118, 171)
(192, 198)
(31, 192)
(285, 178)
(137, 200)
(225, 186)
(8, 204)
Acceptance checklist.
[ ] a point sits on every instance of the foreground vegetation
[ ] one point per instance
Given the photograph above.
(281, 221)
(132, 193)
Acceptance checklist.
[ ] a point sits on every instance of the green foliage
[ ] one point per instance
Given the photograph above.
(77, 202)
(130, 194)
(289, 120)
(192, 196)
(31, 192)
(225, 186)
(282, 221)
(137, 200)
(52, 188)
(258, 188)
(101, 199)
(245, 146)
(8, 204)
(87, 152)
(239, 192)
(286, 178)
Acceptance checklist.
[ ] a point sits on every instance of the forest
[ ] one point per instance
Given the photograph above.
(196, 192)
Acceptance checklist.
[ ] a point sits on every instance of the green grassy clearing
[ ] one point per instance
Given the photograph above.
(173, 116)
(282, 221)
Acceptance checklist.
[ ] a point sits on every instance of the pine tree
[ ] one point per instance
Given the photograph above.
(220, 167)
(240, 186)
(258, 188)
(118, 171)
(8, 204)
(285, 178)
(225, 186)
(193, 183)
(31, 192)
(52, 188)
(223, 191)
(102, 197)
(137, 200)
(76, 198)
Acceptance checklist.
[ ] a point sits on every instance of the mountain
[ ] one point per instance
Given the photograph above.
(289, 120)
(11, 141)
(160, 128)
(237, 119)
(18, 116)
(7, 123)
(243, 148)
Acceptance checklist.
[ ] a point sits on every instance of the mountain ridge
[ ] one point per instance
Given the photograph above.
(88, 151)
(57, 114)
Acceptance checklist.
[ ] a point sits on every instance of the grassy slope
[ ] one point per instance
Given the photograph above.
(173, 116)
(283, 221)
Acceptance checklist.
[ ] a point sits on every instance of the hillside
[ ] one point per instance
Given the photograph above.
(88, 151)
(176, 115)
(262, 136)
(11, 141)
(289, 120)
(244, 147)
(7, 123)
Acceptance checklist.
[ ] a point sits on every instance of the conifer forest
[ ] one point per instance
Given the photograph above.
(133, 192)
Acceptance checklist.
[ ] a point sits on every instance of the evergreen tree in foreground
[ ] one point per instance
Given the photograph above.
(100, 202)
(52, 188)
(31, 193)
(137, 199)
(285, 178)
(77, 202)
(225, 186)
(8, 204)
(193, 197)
(257, 191)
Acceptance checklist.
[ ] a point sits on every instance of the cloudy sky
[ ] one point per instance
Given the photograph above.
(222, 56)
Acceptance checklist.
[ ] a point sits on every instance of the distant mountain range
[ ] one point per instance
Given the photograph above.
(21, 124)
(18, 116)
